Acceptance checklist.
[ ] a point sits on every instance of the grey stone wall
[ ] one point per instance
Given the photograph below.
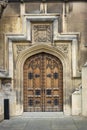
(10, 22)
(77, 22)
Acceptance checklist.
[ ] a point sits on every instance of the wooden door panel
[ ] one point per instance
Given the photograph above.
(43, 83)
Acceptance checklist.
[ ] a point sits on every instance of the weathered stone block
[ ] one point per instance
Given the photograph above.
(76, 103)
(84, 90)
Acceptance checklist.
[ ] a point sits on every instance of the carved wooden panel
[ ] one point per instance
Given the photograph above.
(43, 83)
(42, 33)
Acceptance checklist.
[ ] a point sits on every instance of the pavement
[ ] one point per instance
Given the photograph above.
(44, 121)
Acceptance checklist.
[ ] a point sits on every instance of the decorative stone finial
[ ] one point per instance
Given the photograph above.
(3, 4)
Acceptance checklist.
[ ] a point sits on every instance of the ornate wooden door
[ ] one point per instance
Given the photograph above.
(43, 83)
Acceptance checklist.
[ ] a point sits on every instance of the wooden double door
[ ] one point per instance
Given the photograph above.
(43, 83)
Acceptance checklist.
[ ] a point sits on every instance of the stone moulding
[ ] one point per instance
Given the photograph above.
(56, 37)
(25, 52)
(63, 47)
(29, 52)
(21, 48)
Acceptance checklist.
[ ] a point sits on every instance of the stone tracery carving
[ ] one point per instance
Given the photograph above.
(63, 47)
(6, 86)
(42, 33)
(21, 48)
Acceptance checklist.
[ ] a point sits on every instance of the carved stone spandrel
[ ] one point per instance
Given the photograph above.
(63, 47)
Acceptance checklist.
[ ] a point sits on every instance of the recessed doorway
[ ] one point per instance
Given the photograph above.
(43, 84)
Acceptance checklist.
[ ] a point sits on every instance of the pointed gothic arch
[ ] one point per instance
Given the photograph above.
(19, 72)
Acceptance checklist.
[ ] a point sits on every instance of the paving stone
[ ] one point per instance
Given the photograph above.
(44, 121)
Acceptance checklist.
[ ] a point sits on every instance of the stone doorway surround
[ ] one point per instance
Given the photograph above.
(42, 84)
(64, 46)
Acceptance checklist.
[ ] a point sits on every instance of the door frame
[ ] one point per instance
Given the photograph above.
(65, 60)
(29, 75)
(6, 109)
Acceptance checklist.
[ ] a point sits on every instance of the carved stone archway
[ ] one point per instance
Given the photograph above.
(66, 74)
(42, 84)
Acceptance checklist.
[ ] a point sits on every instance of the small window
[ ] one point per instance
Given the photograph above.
(37, 92)
(48, 92)
(56, 102)
(55, 75)
(30, 102)
(30, 75)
